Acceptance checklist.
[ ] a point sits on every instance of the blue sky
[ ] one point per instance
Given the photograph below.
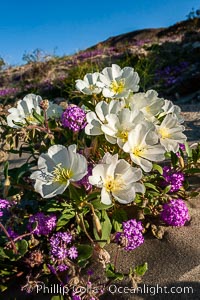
(64, 27)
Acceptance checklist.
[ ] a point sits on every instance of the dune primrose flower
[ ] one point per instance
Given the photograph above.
(23, 113)
(119, 82)
(57, 168)
(74, 118)
(149, 103)
(118, 126)
(143, 148)
(175, 213)
(171, 133)
(90, 84)
(131, 237)
(96, 119)
(117, 179)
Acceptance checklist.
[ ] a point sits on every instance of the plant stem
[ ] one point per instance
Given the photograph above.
(8, 236)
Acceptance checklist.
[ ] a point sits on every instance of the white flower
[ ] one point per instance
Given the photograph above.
(143, 148)
(23, 113)
(149, 103)
(90, 84)
(170, 133)
(119, 82)
(170, 108)
(116, 178)
(97, 118)
(57, 168)
(118, 126)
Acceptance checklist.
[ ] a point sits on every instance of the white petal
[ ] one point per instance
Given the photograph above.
(106, 197)
(124, 196)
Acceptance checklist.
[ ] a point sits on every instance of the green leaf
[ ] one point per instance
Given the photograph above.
(38, 117)
(22, 247)
(174, 158)
(65, 218)
(192, 171)
(84, 252)
(188, 150)
(147, 211)
(18, 123)
(3, 287)
(6, 166)
(110, 273)
(141, 269)
(97, 204)
(75, 193)
(151, 186)
(167, 189)
(3, 254)
(18, 173)
(106, 227)
(158, 168)
(194, 194)
(118, 217)
(59, 297)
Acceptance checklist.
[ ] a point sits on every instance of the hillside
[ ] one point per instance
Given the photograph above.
(167, 59)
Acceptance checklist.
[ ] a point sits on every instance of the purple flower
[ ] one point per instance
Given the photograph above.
(11, 233)
(175, 213)
(73, 253)
(4, 205)
(52, 269)
(131, 237)
(172, 177)
(59, 249)
(60, 252)
(62, 267)
(181, 147)
(44, 224)
(85, 181)
(74, 118)
(75, 297)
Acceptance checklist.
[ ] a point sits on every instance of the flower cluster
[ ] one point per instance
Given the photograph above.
(131, 237)
(60, 250)
(8, 91)
(173, 178)
(171, 74)
(74, 118)
(4, 204)
(24, 112)
(175, 213)
(141, 124)
(44, 224)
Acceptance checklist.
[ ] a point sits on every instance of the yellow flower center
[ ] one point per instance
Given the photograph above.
(31, 119)
(112, 185)
(164, 133)
(148, 109)
(123, 135)
(92, 87)
(61, 175)
(137, 151)
(117, 87)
